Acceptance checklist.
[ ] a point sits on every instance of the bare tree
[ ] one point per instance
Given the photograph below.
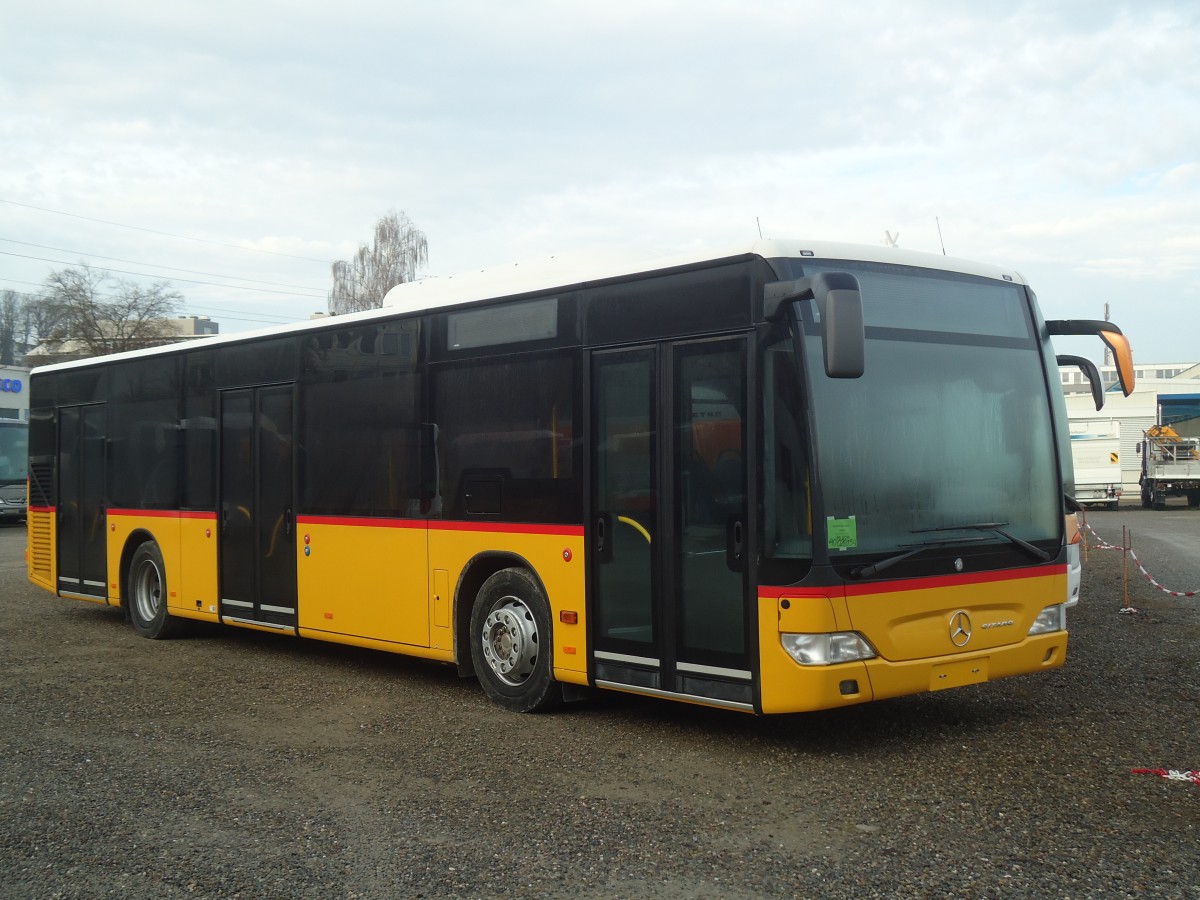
(10, 315)
(43, 320)
(398, 250)
(127, 317)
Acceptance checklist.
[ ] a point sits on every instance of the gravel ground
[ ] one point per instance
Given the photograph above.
(236, 764)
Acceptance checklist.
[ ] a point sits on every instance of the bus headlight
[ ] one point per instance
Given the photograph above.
(1052, 618)
(827, 649)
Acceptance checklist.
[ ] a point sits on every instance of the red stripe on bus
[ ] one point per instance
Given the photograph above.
(164, 513)
(440, 525)
(912, 584)
(508, 528)
(771, 592)
(360, 521)
(42, 509)
(939, 581)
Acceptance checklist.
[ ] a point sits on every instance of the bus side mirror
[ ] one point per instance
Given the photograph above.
(1111, 335)
(844, 342)
(1090, 372)
(839, 302)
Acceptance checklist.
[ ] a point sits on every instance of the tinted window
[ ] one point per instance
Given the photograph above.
(361, 431)
(507, 438)
(533, 320)
(714, 299)
(199, 432)
(143, 423)
(80, 385)
(261, 362)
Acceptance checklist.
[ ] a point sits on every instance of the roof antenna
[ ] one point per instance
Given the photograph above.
(759, 224)
(940, 241)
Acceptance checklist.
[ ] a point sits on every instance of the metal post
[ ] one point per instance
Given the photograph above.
(1126, 538)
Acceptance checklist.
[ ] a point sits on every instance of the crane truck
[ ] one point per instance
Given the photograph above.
(1170, 467)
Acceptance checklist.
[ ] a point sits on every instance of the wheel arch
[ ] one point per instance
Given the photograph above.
(480, 568)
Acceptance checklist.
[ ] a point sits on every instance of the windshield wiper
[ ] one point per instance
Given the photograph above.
(888, 562)
(992, 527)
(996, 528)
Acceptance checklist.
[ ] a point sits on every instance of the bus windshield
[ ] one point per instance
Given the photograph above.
(949, 428)
(14, 452)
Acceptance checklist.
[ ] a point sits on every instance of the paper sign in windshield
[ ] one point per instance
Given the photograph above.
(842, 533)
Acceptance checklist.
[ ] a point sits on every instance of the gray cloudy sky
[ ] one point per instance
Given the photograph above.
(1062, 138)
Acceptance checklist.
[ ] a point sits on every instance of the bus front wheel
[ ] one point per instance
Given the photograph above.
(511, 643)
(147, 583)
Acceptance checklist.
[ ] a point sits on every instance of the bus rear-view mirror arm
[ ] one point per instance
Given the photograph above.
(1111, 335)
(839, 302)
(1090, 372)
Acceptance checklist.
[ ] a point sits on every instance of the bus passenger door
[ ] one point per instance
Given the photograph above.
(82, 546)
(670, 605)
(257, 506)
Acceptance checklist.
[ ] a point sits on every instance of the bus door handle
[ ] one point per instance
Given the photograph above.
(603, 535)
(287, 522)
(735, 544)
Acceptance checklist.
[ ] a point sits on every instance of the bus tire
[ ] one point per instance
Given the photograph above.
(511, 643)
(147, 584)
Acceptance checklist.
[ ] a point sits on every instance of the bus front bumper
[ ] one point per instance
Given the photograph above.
(790, 687)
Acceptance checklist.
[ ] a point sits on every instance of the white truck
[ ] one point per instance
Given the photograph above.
(1170, 467)
(1097, 462)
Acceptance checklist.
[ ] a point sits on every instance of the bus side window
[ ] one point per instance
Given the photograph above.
(787, 502)
(507, 438)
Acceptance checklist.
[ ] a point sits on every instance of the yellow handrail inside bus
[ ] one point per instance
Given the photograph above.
(633, 523)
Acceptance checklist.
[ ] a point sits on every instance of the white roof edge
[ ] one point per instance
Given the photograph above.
(565, 271)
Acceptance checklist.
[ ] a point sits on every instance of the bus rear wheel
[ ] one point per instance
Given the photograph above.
(147, 583)
(511, 644)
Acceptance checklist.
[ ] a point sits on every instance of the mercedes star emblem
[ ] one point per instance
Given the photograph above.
(960, 628)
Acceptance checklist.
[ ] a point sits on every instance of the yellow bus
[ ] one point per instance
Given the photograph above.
(791, 477)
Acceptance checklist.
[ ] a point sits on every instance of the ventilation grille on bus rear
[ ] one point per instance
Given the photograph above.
(41, 529)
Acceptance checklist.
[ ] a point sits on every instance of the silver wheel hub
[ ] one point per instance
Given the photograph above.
(147, 590)
(510, 640)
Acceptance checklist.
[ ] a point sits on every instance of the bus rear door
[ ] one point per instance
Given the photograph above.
(82, 545)
(257, 506)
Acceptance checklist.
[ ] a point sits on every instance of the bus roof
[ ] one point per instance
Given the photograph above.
(566, 272)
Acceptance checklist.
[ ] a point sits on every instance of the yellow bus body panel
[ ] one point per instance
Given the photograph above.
(188, 544)
(364, 579)
(786, 686)
(164, 529)
(556, 556)
(198, 587)
(911, 620)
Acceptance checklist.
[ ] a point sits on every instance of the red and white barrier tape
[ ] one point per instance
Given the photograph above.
(1192, 775)
(1105, 545)
(1102, 543)
(1142, 569)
